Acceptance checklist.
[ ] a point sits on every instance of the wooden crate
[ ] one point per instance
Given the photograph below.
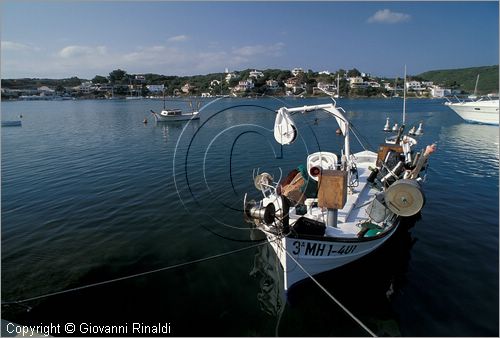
(383, 149)
(332, 189)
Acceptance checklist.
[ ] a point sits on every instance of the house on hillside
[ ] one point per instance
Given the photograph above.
(244, 85)
(46, 91)
(272, 84)
(256, 74)
(297, 71)
(230, 76)
(357, 82)
(156, 88)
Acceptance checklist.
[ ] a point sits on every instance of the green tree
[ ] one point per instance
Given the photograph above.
(118, 76)
(353, 72)
(99, 79)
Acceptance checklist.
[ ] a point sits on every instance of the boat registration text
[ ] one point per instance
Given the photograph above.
(321, 249)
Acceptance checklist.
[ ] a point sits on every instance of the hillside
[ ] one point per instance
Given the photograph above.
(466, 78)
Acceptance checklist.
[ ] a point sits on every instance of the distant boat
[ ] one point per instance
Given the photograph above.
(167, 115)
(11, 123)
(483, 110)
(175, 114)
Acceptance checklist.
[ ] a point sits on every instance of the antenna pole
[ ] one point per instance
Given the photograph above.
(404, 98)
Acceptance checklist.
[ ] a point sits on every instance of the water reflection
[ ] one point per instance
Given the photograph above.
(474, 146)
(266, 270)
(367, 287)
(172, 129)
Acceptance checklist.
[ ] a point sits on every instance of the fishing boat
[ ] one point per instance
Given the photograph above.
(167, 115)
(484, 110)
(175, 114)
(338, 206)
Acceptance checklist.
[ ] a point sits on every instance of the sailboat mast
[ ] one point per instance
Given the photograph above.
(404, 98)
(475, 88)
(338, 87)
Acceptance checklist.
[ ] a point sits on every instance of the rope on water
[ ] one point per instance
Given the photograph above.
(333, 298)
(78, 288)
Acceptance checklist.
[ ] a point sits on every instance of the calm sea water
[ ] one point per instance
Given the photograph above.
(90, 193)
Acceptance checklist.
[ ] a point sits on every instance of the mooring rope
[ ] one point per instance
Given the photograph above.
(333, 298)
(78, 288)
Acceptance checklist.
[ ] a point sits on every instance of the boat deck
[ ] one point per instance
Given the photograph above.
(354, 211)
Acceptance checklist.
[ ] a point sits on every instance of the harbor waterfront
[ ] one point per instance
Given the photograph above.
(90, 193)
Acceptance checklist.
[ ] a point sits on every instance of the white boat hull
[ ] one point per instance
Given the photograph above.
(179, 117)
(479, 111)
(317, 256)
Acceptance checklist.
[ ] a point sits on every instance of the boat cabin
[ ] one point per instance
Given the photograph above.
(171, 112)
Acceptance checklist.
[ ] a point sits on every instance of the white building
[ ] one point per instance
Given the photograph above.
(85, 87)
(357, 82)
(327, 86)
(297, 71)
(414, 85)
(155, 88)
(272, 84)
(324, 72)
(256, 74)
(244, 86)
(373, 84)
(230, 76)
(437, 91)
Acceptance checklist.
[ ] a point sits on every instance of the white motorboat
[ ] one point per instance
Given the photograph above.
(484, 110)
(338, 207)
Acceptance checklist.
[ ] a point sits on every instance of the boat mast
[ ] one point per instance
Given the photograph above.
(338, 88)
(404, 98)
(475, 88)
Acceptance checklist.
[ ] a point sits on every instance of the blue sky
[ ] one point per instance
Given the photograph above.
(58, 39)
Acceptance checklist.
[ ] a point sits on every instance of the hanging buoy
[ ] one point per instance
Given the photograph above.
(419, 131)
(145, 121)
(395, 127)
(387, 126)
(412, 131)
(338, 131)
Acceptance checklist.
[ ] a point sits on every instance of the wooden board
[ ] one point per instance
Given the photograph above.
(383, 149)
(332, 192)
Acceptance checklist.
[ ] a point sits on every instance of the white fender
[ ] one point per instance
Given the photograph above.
(285, 131)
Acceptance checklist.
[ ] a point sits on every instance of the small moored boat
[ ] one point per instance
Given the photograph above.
(11, 123)
(175, 114)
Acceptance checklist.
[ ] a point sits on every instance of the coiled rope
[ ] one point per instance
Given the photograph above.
(333, 298)
(78, 288)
